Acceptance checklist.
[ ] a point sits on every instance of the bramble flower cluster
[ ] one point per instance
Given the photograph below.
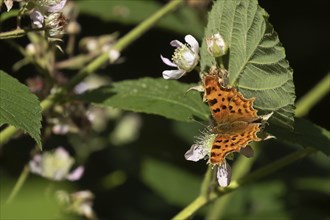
(48, 14)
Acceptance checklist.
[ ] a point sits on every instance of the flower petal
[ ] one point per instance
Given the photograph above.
(247, 151)
(192, 42)
(56, 7)
(76, 174)
(61, 153)
(173, 74)
(168, 61)
(9, 4)
(176, 43)
(113, 55)
(224, 174)
(195, 153)
(35, 164)
(37, 19)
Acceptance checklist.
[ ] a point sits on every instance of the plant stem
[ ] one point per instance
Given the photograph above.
(24, 175)
(17, 33)
(199, 202)
(7, 133)
(12, 34)
(241, 167)
(309, 100)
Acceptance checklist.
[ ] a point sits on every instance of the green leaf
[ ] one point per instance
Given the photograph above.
(19, 107)
(305, 134)
(176, 186)
(184, 20)
(256, 60)
(167, 98)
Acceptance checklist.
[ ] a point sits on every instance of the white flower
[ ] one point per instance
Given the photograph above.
(224, 174)
(55, 165)
(37, 19)
(9, 4)
(202, 150)
(113, 55)
(196, 152)
(185, 58)
(216, 45)
(55, 5)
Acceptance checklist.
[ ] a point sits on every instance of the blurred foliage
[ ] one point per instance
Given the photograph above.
(37, 200)
(148, 177)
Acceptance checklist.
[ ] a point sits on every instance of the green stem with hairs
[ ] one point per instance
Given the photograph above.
(304, 105)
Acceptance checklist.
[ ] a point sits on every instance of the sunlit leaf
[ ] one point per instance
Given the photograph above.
(256, 60)
(167, 98)
(19, 107)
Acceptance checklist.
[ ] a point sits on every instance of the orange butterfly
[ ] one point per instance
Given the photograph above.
(236, 121)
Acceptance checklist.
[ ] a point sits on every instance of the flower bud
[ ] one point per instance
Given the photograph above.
(216, 45)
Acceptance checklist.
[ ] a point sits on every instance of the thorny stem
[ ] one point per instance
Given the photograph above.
(47, 103)
(7, 133)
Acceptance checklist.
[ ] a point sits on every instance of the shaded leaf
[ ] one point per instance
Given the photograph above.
(173, 184)
(185, 20)
(305, 134)
(19, 107)
(155, 96)
(265, 197)
(256, 60)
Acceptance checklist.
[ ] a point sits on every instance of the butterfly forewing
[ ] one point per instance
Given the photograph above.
(227, 104)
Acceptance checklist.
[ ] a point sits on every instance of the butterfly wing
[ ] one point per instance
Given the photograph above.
(228, 143)
(227, 104)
